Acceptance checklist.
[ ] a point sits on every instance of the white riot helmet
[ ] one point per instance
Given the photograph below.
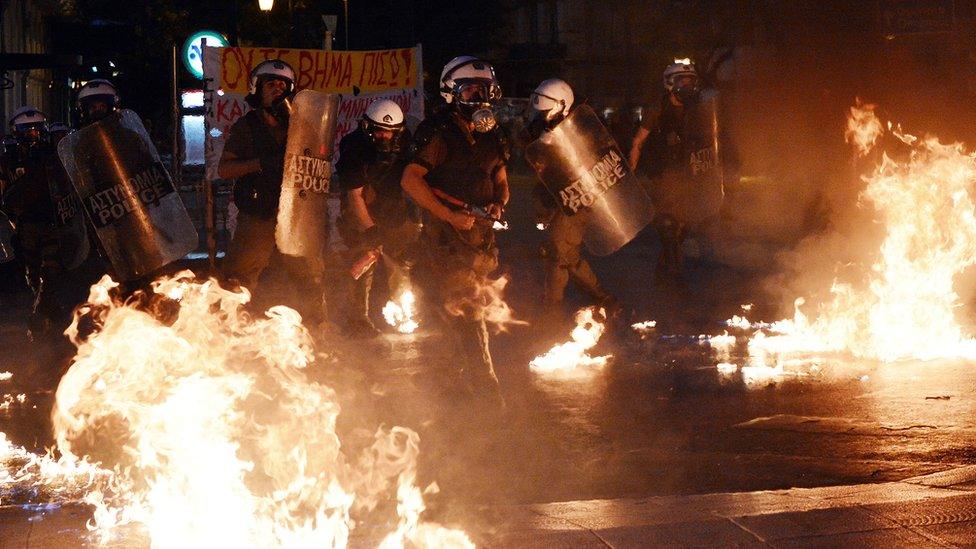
(272, 68)
(384, 114)
(29, 125)
(552, 99)
(95, 91)
(680, 67)
(26, 115)
(474, 89)
(98, 89)
(58, 130)
(688, 92)
(447, 82)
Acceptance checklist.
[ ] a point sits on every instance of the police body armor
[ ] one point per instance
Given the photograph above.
(378, 173)
(40, 192)
(467, 172)
(584, 169)
(303, 211)
(128, 195)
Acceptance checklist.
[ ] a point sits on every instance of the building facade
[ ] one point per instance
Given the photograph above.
(25, 30)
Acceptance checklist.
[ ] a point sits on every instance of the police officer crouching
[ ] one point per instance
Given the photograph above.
(460, 158)
(552, 101)
(374, 209)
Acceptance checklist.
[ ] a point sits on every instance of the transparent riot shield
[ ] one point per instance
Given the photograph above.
(128, 195)
(70, 224)
(581, 165)
(303, 213)
(700, 136)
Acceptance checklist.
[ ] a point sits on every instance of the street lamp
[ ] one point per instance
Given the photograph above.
(265, 5)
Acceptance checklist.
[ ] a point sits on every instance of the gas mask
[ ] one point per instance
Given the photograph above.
(390, 145)
(474, 98)
(31, 135)
(688, 94)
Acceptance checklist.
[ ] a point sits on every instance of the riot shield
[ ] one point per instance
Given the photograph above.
(700, 137)
(70, 224)
(303, 212)
(39, 189)
(581, 165)
(127, 195)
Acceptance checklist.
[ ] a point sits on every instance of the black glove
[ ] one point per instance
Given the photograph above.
(273, 166)
(372, 237)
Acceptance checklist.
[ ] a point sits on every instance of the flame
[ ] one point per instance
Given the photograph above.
(905, 308)
(54, 481)
(488, 301)
(209, 434)
(740, 322)
(863, 127)
(500, 225)
(726, 368)
(399, 313)
(644, 328)
(573, 355)
(722, 346)
(9, 400)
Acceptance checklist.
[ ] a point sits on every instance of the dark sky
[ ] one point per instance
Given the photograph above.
(137, 37)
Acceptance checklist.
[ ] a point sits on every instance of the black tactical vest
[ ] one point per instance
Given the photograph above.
(258, 193)
(468, 170)
(29, 173)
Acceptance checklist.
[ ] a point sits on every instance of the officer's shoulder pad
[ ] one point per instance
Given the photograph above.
(425, 133)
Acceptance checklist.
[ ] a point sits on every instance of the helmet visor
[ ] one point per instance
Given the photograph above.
(478, 90)
(684, 80)
(29, 127)
(104, 98)
(31, 132)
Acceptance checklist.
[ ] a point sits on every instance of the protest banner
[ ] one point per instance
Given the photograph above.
(360, 76)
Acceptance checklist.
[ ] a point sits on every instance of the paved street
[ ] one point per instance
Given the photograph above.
(657, 448)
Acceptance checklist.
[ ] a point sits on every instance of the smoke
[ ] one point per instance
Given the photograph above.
(792, 205)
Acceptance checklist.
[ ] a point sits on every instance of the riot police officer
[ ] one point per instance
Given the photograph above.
(254, 156)
(460, 159)
(97, 99)
(374, 209)
(685, 167)
(551, 102)
(58, 130)
(32, 199)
